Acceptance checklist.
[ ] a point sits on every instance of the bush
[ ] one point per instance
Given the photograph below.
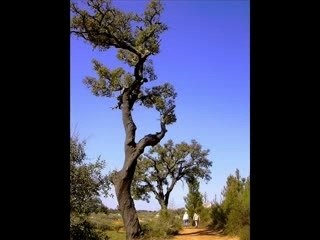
(219, 217)
(84, 230)
(165, 225)
(233, 213)
(244, 233)
(234, 223)
(92, 227)
(205, 216)
(100, 221)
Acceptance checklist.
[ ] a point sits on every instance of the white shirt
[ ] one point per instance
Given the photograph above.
(195, 217)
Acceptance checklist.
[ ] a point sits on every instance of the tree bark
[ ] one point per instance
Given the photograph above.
(127, 208)
(133, 150)
(123, 178)
(163, 203)
(162, 198)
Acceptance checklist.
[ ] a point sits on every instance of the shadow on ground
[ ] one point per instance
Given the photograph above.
(202, 232)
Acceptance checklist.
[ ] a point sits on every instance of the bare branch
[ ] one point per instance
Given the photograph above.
(160, 178)
(150, 185)
(152, 139)
(169, 189)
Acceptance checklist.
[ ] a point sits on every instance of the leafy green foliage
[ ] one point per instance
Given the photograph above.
(101, 221)
(205, 217)
(84, 230)
(236, 203)
(104, 26)
(194, 199)
(159, 170)
(165, 225)
(233, 214)
(86, 183)
(162, 99)
(137, 37)
(219, 217)
(108, 81)
(86, 180)
(244, 233)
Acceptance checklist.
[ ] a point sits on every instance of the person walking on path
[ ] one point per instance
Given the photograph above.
(196, 219)
(185, 219)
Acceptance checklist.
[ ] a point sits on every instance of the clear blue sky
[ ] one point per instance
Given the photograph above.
(205, 55)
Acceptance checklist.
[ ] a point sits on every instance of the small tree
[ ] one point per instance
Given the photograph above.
(86, 184)
(233, 214)
(219, 217)
(137, 38)
(231, 193)
(194, 199)
(237, 203)
(159, 171)
(86, 180)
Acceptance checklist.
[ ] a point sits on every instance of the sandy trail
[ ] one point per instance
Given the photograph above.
(201, 234)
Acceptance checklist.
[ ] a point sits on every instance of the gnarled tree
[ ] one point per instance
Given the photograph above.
(137, 38)
(160, 169)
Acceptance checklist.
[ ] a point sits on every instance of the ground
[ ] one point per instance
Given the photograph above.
(201, 234)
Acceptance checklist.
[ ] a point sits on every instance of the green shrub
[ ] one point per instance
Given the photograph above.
(244, 233)
(165, 225)
(205, 216)
(234, 223)
(84, 230)
(100, 221)
(233, 213)
(219, 217)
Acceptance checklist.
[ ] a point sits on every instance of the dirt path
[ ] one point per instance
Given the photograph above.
(201, 234)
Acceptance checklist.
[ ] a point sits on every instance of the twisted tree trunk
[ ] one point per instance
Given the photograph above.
(126, 205)
(124, 177)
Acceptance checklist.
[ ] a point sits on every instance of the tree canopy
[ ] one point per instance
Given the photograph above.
(159, 170)
(86, 180)
(136, 38)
